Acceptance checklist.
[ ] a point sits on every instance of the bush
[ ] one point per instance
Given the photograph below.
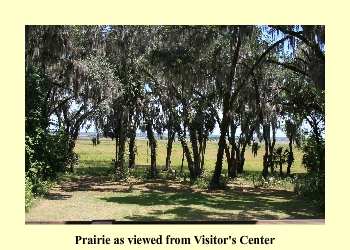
(312, 187)
(120, 174)
(204, 181)
(314, 154)
(33, 190)
(45, 152)
(140, 172)
(29, 196)
(116, 173)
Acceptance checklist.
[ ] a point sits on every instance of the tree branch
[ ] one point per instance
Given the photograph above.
(263, 55)
(289, 66)
(58, 106)
(299, 35)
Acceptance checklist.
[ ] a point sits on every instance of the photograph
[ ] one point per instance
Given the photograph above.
(162, 124)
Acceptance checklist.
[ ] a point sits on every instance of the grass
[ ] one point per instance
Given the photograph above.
(88, 194)
(100, 157)
(92, 198)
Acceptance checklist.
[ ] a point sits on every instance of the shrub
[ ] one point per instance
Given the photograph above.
(204, 181)
(29, 196)
(314, 154)
(312, 187)
(116, 173)
(120, 174)
(45, 151)
(140, 172)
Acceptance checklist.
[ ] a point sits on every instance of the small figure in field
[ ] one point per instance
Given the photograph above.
(94, 141)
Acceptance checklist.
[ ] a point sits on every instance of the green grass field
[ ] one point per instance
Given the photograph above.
(100, 157)
(89, 194)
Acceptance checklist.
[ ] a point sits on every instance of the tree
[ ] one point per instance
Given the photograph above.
(308, 42)
(280, 157)
(125, 49)
(45, 152)
(176, 60)
(72, 57)
(294, 134)
(232, 75)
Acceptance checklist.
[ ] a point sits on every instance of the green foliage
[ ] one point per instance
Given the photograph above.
(312, 187)
(152, 175)
(29, 196)
(171, 175)
(254, 179)
(314, 154)
(204, 181)
(117, 173)
(33, 190)
(140, 172)
(279, 155)
(120, 174)
(45, 152)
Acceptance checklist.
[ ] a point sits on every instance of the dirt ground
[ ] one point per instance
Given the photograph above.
(93, 198)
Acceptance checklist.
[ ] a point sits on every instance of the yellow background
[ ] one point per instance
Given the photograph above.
(16, 14)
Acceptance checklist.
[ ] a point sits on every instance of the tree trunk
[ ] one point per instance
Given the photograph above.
(153, 147)
(265, 171)
(171, 136)
(195, 150)
(116, 147)
(121, 148)
(242, 160)
(182, 161)
(132, 137)
(281, 171)
(74, 133)
(231, 158)
(231, 162)
(202, 150)
(187, 153)
(248, 137)
(271, 147)
(215, 181)
(227, 101)
(152, 144)
(290, 155)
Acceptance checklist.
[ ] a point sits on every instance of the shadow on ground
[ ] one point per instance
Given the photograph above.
(172, 199)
